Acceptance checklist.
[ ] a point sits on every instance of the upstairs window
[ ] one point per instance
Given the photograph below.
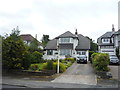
(64, 40)
(105, 40)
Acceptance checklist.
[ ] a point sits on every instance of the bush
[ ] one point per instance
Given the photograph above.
(70, 59)
(49, 65)
(100, 61)
(34, 67)
(26, 60)
(61, 66)
(36, 57)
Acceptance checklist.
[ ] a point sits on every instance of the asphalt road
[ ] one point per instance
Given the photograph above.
(79, 74)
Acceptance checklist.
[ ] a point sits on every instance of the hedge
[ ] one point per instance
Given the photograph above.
(100, 61)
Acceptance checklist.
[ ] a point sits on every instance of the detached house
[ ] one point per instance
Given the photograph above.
(28, 38)
(67, 44)
(108, 42)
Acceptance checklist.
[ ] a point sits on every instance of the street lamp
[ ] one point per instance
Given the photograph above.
(58, 60)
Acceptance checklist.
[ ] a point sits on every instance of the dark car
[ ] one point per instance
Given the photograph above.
(81, 59)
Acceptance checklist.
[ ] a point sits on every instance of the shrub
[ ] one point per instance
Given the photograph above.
(34, 67)
(26, 60)
(36, 57)
(61, 66)
(70, 59)
(45, 66)
(100, 61)
(49, 65)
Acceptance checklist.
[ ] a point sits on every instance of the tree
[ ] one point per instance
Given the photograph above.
(36, 57)
(34, 45)
(45, 40)
(93, 45)
(13, 50)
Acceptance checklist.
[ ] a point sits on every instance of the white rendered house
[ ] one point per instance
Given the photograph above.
(108, 42)
(67, 44)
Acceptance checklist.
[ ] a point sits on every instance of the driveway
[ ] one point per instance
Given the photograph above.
(114, 70)
(79, 74)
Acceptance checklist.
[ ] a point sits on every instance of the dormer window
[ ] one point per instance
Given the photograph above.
(105, 40)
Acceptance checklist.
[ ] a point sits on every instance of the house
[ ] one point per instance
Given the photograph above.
(67, 44)
(108, 42)
(28, 38)
(117, 40)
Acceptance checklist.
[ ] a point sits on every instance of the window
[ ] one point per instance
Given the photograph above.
(65, 52)
(64, 40)
(106, 40)
(49, 52)
(81, 52)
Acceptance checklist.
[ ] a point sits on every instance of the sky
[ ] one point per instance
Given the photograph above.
(91, 18)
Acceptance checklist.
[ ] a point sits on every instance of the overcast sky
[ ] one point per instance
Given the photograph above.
(53, 17)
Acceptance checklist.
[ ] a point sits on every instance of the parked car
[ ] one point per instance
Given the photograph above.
(81, 59)
(114, 59)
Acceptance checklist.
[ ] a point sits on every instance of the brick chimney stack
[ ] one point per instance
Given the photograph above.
(113, 29)
(76, 33)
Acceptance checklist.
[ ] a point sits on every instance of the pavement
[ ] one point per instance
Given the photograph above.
(78, 74)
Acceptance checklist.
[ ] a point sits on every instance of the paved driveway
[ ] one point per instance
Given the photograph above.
(79, 74)
(114, 70)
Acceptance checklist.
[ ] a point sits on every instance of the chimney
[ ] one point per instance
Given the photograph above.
(17, 28)
(36, 36)
(113, 29)
(76, 33)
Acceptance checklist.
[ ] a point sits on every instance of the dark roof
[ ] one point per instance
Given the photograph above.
(118, 32)
(67, 34)
(83, 43)
(107, 35)
(27, 37)
(52, 44)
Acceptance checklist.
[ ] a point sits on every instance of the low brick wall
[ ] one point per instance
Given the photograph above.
(32, 73)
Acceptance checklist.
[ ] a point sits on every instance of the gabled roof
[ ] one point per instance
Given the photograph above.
(52, 44)
(107, 35)
(27, 37)
(83, 43)
(67, 34)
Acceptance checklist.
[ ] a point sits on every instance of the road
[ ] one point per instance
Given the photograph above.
(79, 74)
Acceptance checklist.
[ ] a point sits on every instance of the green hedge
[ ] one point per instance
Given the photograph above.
(100, 61)
(46, 66)
(70, 59)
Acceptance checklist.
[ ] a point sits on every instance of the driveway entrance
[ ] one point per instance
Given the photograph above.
(79, 74)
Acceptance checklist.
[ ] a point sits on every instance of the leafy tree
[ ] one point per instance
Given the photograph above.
(26, 60)
(34, 46)
(36, 57)
(13, 50)
(45, 40)
(93, 45)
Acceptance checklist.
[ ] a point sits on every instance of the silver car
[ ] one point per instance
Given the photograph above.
(81, 59)
(114, 59)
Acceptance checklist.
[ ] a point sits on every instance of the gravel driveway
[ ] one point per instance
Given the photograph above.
(78, 73)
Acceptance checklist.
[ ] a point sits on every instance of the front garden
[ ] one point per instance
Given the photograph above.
(48, 65)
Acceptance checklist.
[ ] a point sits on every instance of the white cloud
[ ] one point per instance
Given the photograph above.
(91, 17)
